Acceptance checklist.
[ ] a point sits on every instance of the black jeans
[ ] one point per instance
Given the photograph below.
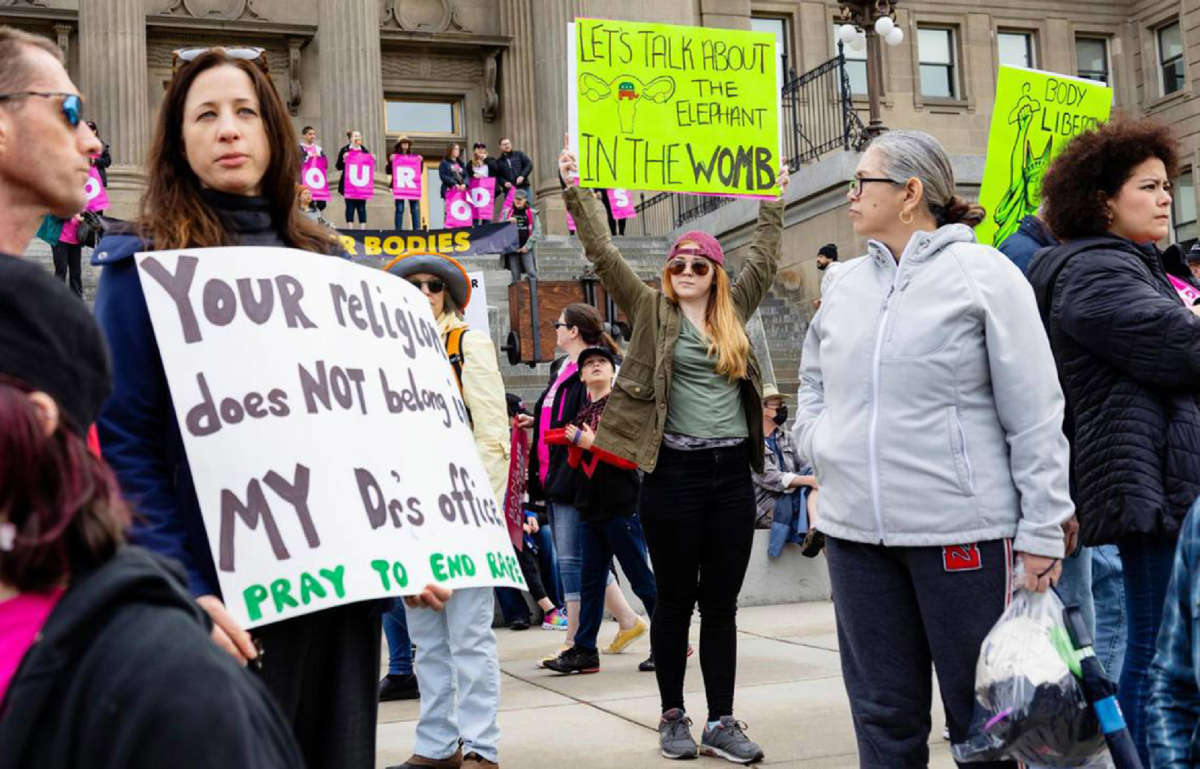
(600, 541)
(353, 206)
(899, 612)
(68, 265)
(697, 509)
(323, 670)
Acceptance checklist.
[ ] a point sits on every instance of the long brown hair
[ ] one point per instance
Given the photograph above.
(727, 340)
(174, 215)
(587, 319)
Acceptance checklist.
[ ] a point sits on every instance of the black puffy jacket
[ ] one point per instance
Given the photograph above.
(1128, 354)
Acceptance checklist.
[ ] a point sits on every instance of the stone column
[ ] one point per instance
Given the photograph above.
(351, 78)
(550, 91)
(517, 79)
(112, 56)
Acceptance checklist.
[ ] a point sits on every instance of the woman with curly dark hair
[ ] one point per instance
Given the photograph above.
(1128, 355)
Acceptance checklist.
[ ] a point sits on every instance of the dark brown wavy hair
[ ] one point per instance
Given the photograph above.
(174, 215)
(1092, 168)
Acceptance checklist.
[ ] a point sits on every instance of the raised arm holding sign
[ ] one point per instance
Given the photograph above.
(681, 109)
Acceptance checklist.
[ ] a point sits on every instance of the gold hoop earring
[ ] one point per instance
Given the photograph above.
(909, 220)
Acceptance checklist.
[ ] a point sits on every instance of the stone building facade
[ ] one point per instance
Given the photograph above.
(462, 71)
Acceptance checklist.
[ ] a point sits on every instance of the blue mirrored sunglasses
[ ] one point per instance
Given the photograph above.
(72, 105)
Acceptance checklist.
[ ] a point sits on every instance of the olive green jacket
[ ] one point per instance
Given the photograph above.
(633, 423)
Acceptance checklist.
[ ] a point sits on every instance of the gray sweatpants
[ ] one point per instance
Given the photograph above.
(899, 611)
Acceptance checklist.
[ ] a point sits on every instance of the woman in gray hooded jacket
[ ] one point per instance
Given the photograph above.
(930, 409)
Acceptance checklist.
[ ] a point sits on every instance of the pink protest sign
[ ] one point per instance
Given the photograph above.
(458, 209)
(406, 177)
(360, 175)
(481, 193)
(313, 175)
(621, 203)
(1187, 293)
(97, 196)
(507, 207)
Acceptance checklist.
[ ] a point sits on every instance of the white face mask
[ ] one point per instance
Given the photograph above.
(8, 536)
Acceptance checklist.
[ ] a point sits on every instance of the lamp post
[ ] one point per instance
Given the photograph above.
(864, 24)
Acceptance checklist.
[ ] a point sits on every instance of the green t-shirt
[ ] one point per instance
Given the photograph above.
(703, 403)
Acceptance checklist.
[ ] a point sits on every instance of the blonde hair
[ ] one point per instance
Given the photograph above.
(727, 340)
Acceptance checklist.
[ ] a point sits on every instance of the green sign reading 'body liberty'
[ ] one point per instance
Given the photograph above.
(1036, 113)
(680, 109)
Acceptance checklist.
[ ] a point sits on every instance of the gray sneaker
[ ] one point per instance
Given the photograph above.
(675, 735)
(728, 740)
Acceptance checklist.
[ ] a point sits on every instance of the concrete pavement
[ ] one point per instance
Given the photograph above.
(789, 692)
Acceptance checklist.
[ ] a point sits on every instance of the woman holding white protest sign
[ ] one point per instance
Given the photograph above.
(458, 670)
(687, 407)
(223, 166)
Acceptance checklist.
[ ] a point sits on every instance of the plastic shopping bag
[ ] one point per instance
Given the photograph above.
(1029, 704)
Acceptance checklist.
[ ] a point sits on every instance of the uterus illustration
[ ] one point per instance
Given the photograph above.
(627, 91)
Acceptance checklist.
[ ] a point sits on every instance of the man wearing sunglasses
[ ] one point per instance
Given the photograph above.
(40, 122)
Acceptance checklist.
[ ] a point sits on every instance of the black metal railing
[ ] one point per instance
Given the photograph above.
(818, 118)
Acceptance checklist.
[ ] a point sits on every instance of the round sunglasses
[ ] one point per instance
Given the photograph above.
(700, 267)
(72, 105)
(435, 285)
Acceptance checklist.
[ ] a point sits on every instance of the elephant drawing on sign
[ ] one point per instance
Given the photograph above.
(627, 91)
(1024, 194)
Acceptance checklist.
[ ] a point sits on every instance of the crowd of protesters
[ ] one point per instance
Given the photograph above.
(1027, 416)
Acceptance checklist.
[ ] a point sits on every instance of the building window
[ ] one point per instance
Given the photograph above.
(777, 26)
(935, 49)
(1183, 208)
(856, 65)
(422, 116)
(1015, 49)
(1170, 58)
(1091, 58)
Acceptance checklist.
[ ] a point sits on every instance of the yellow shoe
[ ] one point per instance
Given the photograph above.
(625, 637)
(552, 655)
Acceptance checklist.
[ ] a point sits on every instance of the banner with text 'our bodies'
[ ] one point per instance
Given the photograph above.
(331, 452)
(1035, 114)
(674, 108)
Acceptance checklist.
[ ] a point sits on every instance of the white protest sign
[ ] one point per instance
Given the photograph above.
(476, 314)
(330, 449)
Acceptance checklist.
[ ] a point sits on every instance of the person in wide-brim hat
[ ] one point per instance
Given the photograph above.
(466, 625)
(422, 269)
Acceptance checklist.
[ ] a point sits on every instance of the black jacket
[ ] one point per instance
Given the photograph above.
(450, 175)
(102, 162)
(1128, 355)
(514, 164)
(341, 166)
(560, 483)
(125, 676)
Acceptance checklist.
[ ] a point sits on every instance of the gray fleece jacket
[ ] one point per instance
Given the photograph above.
(929, 405)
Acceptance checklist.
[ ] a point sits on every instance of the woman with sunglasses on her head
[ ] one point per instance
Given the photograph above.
(458, 670)
(687, 407)
(553, 482)
(930, 409)
(224, 166)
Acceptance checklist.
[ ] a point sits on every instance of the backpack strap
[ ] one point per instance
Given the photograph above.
(454, 351)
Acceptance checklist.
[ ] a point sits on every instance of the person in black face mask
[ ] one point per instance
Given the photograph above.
(784, 488)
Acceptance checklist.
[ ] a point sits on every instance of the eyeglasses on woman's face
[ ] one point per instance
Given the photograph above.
(561, 324)
(435, 285)
(857, 183)
(699, 267)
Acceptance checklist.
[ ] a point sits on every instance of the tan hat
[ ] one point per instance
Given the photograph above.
(770, 391)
